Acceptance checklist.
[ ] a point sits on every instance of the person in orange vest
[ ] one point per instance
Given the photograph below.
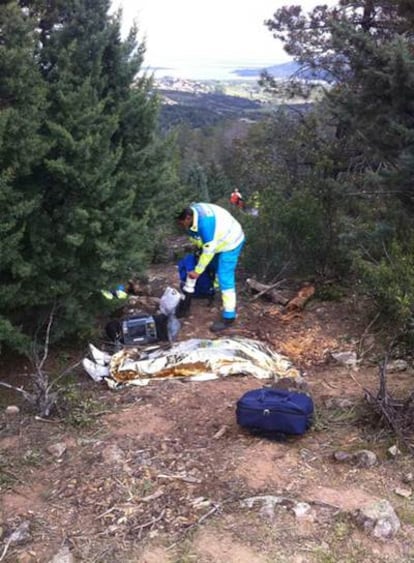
(236, 198)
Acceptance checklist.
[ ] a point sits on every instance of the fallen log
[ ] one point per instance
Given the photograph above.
(301, 298)
(269, 291)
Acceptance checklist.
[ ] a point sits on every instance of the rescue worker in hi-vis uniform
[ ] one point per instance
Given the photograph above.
(220, 237)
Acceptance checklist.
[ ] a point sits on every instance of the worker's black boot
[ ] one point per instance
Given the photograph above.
(221, 324)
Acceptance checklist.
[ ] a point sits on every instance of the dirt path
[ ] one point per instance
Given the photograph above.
(161, 473)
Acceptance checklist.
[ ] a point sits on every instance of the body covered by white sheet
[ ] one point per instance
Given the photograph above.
(198, 360)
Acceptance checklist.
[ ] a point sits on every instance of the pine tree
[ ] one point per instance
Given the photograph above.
(96, 186)
(22, 107)
(218, 184)
(367, 48)
(197, 182)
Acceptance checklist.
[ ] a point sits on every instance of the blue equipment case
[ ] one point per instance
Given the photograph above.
(270, 411)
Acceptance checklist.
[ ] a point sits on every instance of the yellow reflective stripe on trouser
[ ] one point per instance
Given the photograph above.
(229, 301)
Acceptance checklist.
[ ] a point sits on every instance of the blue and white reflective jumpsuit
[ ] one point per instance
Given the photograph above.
(220, 237)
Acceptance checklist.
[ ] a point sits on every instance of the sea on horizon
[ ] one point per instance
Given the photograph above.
(207, 70)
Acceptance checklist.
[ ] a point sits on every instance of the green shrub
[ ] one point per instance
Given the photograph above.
(289, 235)
(390, 281)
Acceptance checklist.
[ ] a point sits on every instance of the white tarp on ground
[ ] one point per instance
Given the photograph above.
(198, 360)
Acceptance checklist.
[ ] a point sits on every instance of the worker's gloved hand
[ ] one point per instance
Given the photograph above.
(189, 286)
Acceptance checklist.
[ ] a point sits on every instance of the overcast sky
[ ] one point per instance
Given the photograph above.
(195, 32)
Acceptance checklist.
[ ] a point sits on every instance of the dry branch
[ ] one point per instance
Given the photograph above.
(269, 291)
(398, 415)
(43, 396)
(150, 522)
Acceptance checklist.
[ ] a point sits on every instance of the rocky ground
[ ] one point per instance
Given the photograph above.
(163, 473)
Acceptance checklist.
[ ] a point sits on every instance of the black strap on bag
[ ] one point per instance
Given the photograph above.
(271, 435)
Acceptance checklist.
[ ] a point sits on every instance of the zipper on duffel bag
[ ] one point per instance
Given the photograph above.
(267, 412)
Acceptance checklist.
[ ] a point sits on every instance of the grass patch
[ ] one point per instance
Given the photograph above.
(330, 292)
(7, 476)
(7, 479)
(325, 419)
(83, 414)
(32, 458)
(406, 512)
(79, 411)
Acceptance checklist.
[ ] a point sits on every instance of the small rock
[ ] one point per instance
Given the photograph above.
(378, 518)
(342, 456)
(339, 402)
(348, 359)
(63, 556)
(267, 502)
(407, 478)
(406, 493)
(301, 509)
(365, 458)
(12, 409)
(57, 450)
(21, 534)
(396, 366)
(393, 451)
(291, 384)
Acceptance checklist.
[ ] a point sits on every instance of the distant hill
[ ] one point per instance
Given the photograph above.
(201, 110)
(222, 103)
(282, 70)
(285, 70)
(206, 103)
(204, 110)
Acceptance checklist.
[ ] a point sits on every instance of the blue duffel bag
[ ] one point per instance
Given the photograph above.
(204, 286)
(275, 413)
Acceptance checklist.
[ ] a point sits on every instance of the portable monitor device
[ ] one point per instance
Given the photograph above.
(139, 330)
